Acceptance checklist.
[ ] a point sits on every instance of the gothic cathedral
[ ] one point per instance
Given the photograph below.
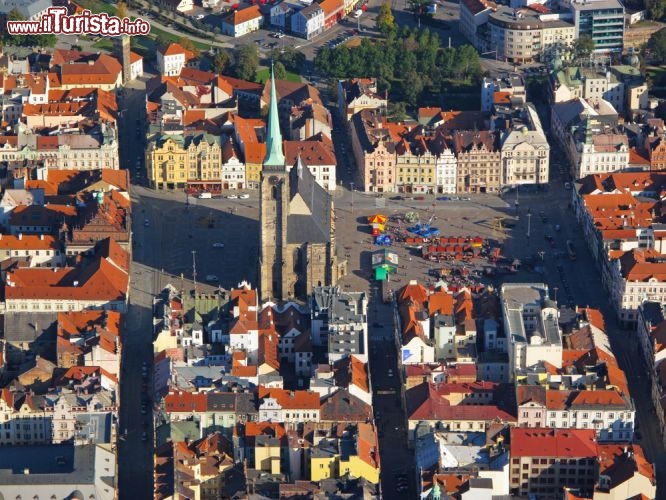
(297, 223)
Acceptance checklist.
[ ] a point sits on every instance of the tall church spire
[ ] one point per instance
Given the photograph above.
(274, 155)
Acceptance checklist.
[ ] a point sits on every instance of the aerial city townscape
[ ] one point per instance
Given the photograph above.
(334, 249)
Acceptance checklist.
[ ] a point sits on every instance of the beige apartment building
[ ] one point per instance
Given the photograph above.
(374, 151)
(479, 161)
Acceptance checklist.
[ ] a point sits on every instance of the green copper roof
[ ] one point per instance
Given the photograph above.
(274, 154)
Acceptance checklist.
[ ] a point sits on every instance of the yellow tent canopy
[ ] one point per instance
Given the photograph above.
(377, 219)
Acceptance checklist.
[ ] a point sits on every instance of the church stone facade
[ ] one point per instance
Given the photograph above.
(297, 224)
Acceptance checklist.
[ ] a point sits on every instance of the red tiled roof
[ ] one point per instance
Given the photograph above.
(310, 152)
(186, 402)
(560, 443)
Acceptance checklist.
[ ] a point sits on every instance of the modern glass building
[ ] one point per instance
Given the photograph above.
(603, 20)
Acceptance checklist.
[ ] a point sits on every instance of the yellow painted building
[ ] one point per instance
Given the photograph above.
(175, 161)
(324, 462)
(165, 341)
(356, 467)
(415, 173)
(267, 454)
(356, 456)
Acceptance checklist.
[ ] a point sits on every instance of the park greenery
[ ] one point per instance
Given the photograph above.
(409, 64)
(657, 46)
(25, 40)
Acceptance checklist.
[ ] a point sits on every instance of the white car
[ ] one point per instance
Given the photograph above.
(244, 196)
(232, 197)
(279, 35)
(199, 17)
(218, 245)
(211, 277)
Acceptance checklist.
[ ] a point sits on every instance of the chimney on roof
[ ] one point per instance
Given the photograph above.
(41, 237)
(20, 236)
(76, 283)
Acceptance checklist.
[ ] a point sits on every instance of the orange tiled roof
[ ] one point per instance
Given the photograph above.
(296, 400)
(28, 242)
(100, 280)
(242, 16)
(620, 462)
(366, 444)
(104, 71)
(359, 376)
(175, 48)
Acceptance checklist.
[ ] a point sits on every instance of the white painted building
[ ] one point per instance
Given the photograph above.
(308, 22)
(242, 21)
(172, 59)
(531, 326)
(233, 169)
(446, 171)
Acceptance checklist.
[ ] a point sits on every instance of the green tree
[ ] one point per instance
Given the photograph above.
(162, 40)
(222, 61)
(657, 46)
(412, 86)
(583, 47)
(247, 62)
(656, 8)
(385, 18)
(291, 58)
(397, 111)
(279, 70)
(188, 44)
(466, 64)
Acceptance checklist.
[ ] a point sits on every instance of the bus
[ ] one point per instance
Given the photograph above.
(571, 250)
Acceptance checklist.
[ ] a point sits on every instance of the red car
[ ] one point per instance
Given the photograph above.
(419, 198)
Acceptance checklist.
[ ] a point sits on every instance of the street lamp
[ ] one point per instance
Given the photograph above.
(352, 202)
(529, 226)
(555, 290)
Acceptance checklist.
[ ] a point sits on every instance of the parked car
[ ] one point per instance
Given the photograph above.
(146, 222)
(397, 198)
(218, 245)
(232, 197)
(211, 277)
(444, 198)
(244, 196)
(419, 198)
(144, 436)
